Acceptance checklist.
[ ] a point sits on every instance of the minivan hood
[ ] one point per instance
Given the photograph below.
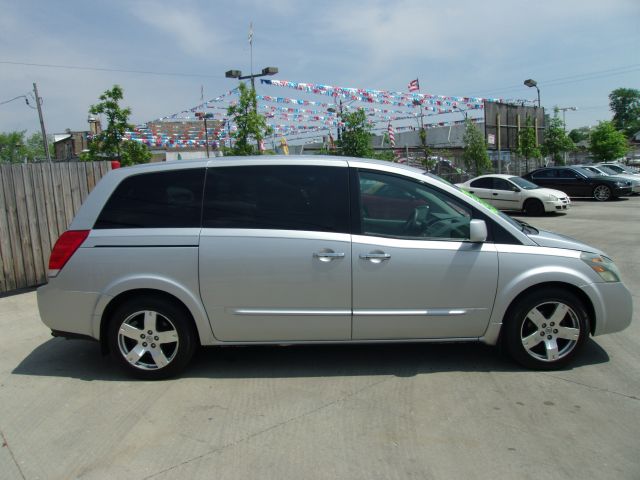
(555, 240)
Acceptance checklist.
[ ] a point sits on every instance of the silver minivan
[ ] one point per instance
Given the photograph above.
(164, 258)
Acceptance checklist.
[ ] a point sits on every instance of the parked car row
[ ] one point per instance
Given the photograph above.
(548, 189)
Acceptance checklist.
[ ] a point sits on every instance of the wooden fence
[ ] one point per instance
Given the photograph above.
(37, 203)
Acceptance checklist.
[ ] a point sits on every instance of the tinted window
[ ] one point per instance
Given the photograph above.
(566, 173)
(544, 174)
(155, 200)
(486, 182)
(278, 197)
(502, 184)
(417, 210)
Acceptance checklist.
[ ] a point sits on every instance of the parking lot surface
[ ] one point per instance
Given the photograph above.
(326, 412)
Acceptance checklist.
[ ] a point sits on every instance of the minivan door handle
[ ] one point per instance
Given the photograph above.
(327, 256)
(375, 257)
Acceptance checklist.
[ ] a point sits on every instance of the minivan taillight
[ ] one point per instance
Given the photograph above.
(64, 248)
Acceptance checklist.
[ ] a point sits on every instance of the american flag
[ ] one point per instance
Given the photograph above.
(414, 85)
(392, 138)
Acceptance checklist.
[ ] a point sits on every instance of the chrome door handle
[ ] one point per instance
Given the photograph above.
(375, 256)
(327, 256)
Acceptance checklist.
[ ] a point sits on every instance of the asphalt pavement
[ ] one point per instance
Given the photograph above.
(330, 412)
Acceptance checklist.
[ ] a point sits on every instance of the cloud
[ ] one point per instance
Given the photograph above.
(185, 25)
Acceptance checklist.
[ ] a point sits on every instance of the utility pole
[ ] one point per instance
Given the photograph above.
(44, 132)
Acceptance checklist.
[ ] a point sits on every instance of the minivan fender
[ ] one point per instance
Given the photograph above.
(530, 279)
(162, 285)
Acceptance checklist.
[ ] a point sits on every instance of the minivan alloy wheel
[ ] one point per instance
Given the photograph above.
(545, 328)
(148, 340)
(550, 331)
(152, 337)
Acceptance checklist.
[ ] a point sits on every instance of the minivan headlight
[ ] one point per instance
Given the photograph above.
(602, 265)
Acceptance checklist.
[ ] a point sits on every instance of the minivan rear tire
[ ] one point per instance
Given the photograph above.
(151, 337)
(541, 320)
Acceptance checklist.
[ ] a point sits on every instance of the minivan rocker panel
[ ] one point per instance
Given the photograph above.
(316, 250)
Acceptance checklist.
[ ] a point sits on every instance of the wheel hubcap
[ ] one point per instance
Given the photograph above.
(602, 193)
(148, 340)
(550, 331)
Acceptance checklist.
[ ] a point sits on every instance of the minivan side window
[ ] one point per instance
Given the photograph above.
(281, 197)
(171, 199)
(415, 211)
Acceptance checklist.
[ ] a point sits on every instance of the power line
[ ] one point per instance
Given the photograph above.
(118, 70)
(572, 78)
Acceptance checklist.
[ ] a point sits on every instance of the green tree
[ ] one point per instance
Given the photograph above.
(625, 105)
(475, 154)
(15, 147)
(12, 147)
(580, 134)
(556, 141)
(110, 143)
(355, 140)
(35, 147)
(106, 144)
(132, 152)
(527, 144)
(252, 127)
(607, 143)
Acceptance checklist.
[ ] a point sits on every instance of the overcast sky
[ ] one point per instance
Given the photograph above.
(577, 50)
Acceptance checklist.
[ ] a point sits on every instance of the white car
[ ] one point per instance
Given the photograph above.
(508, 192)
(620, 169)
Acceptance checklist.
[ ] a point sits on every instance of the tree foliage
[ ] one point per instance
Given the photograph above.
(556, 141)
(252, 127)
(356, 135)
(132, 152)
(625, 105)
(110, 144)
(475, 154)
(527, 145)
(607, 143)
(580, 134)
(16, 147)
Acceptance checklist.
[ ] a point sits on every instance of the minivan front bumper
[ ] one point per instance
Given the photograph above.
(613, 306)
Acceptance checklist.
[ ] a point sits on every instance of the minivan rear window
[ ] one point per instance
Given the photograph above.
(170, 199)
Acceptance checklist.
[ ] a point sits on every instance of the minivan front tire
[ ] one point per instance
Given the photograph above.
(545, 329)
(151, 337)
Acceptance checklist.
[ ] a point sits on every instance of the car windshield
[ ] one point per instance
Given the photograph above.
(607, 170)
(524, 184)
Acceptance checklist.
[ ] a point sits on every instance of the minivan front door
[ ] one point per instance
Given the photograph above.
(417, 277)
(275, 253)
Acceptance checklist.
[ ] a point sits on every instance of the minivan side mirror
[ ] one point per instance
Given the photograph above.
(477, 231)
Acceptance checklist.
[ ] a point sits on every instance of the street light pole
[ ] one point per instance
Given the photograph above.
(532, 83)
(564, 124)
(238, 74)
